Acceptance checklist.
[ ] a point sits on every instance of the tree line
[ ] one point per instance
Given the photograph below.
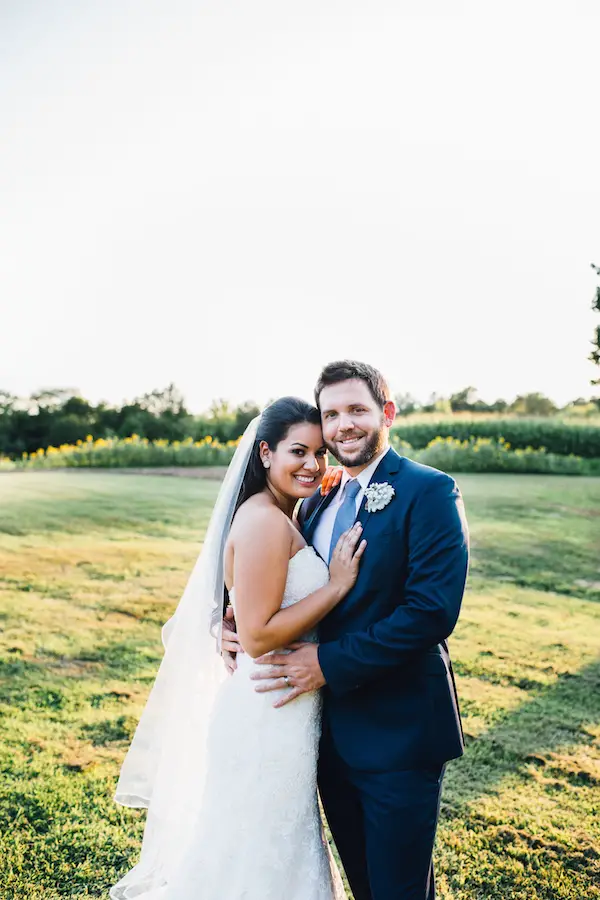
(53, 418)
(468, 400)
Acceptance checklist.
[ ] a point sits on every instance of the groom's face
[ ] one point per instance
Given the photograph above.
(355, 427)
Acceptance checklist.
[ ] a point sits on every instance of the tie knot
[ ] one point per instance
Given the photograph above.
(352, 488)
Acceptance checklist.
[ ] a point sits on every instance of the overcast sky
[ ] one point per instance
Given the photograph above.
(228, 194)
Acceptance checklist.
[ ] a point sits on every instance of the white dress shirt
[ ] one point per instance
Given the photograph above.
(324, 529)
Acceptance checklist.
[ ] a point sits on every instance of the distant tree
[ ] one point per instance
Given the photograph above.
(437, 404)
(7, 402)
(431, 403)
(595, 354)
(225, 421)
(79, 407)
(50, 399)
(443, 406)
(7, 415)
(130, 419)
(220, 409)
(166, 402)
(65, 428)
(534, 404)
(406, 404)
(244, 414)
(581, 407)
(220, 421)
(464, 400)
(159, 414)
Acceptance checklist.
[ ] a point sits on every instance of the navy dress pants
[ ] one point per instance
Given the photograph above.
(383, 825)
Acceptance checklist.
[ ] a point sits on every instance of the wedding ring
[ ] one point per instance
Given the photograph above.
(286, 678)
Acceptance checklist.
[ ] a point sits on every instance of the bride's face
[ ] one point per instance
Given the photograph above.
(298, 463)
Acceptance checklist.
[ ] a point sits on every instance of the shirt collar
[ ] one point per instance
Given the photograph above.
(365, 476)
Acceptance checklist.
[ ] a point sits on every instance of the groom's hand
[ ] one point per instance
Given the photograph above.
(230, 642)
(301, 667)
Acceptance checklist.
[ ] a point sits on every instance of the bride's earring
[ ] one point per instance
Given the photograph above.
(266, 463)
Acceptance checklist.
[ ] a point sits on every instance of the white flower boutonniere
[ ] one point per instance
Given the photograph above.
(378, 496)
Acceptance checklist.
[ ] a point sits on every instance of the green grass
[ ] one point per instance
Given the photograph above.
(91, 565)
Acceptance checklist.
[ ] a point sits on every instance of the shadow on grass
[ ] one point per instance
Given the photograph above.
(555, 716)
(531, 743)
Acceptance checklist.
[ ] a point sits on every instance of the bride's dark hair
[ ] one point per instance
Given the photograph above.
(274, 425)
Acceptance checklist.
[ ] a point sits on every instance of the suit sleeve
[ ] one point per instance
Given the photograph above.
(428, 603)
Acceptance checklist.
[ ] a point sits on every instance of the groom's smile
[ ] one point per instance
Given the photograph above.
(352, 448)
(348, 443)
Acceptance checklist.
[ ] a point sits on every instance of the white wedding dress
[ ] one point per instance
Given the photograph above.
(258, 834)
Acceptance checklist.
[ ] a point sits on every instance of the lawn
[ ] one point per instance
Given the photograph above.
(91, 564)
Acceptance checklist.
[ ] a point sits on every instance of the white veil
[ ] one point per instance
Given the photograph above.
(165, 766)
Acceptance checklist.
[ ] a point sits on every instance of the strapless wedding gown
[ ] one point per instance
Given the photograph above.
(258, 835)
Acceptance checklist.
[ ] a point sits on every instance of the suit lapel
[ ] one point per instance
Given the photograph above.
(385, 471)
(363, 513)
(313, 517)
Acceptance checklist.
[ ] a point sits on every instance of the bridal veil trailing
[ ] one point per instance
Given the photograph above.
(165, 767)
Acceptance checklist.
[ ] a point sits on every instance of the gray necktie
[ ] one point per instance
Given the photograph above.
(346, 514)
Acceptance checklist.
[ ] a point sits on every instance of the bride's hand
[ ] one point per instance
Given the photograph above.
(331, 479)
(345, 560)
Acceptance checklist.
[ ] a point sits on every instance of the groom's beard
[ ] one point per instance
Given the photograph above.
(373, 446)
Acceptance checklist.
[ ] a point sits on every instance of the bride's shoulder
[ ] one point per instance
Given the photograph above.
(255, 516)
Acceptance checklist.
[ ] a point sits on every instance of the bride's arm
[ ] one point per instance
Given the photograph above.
(261, 550)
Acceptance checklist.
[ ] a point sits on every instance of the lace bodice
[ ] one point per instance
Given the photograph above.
(306, 573)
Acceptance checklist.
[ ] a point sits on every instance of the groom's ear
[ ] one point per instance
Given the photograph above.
(389, 413)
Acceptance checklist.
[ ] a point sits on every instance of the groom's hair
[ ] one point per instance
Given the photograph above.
(347, 369)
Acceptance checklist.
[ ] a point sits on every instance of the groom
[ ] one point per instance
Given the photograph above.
(390, 713)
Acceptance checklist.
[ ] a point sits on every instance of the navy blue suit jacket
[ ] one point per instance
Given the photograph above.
(390, 700)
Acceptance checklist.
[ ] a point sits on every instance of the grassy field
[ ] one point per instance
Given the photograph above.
(92, 564)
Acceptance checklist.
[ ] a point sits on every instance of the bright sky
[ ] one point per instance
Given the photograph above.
(227, 194)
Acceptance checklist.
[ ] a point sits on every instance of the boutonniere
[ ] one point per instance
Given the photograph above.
(378, 496)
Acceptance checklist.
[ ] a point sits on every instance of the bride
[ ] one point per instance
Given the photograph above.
(230, 783)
